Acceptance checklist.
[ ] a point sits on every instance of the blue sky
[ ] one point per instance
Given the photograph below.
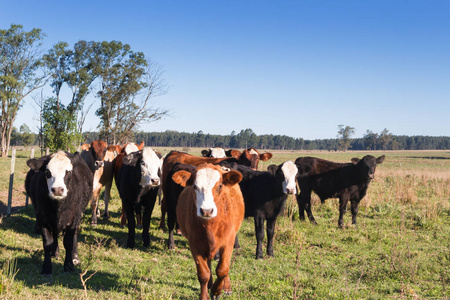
(296, 68)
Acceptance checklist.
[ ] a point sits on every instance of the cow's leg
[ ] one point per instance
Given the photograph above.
(107, 199)
(49, 249)
(343, 200)
(355, 205)
(203, 275)
(270, 233)
(150, 200)
(171, 217)
(259, 232)
(75, 258)
(223, 268)
(129, 211)
(236, 243)
(68, 241)
(123, 218)
(94, 206)
(301, 206)
(162, 223)
(307, 205)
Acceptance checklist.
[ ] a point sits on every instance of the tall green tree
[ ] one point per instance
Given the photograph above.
(64, 136)
(128, 82)
(20, 59)
(385, 138)
(344, 135)
(370, 140)
(26, 136)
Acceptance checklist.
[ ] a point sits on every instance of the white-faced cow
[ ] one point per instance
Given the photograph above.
(265, 194)
(138, 182)
(60, 187)
(346, 181)
(219, 152)
(210, 211)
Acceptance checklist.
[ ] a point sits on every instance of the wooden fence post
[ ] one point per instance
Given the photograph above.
(11, 181)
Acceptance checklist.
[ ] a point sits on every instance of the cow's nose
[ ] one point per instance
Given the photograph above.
(99, 163)
(371, 176)
(290, 191)
(155, 181)
(207, 213)
(58, 191)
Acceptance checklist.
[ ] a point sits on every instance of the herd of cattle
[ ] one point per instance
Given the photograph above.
(205, 197)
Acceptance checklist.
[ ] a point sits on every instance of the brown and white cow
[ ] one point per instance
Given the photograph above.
(100, 161)
(249, 157)
(210, 211)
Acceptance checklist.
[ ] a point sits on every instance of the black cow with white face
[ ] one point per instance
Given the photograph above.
(138, 183)
(346, 181)
(265, 194)
(60, 187)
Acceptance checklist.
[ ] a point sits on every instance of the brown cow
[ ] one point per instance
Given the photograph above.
(210, 211)
(249, 157)
(100, 162)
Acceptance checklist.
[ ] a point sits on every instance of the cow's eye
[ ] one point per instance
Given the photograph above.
(219, 187)
(48, 174)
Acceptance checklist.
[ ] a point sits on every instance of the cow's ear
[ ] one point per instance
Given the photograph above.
(265, 156)
(181, 177)
(233, 153)
(231, 178)
(272, 169)
(36, 164)
(380, 159)
(355, 160)
(141, 146)
(206, 153)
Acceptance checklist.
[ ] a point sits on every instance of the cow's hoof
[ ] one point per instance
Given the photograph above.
(68, 267)
(76, 261)
(94, 224)
(105, 217)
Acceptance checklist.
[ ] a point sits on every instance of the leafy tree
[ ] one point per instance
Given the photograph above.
(19, 61)
(385, 138)
(128, 81)
(60, 126)
(344, 136)
(26, 135)
(370, 140)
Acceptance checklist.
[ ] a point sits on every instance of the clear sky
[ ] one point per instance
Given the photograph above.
(296, 68)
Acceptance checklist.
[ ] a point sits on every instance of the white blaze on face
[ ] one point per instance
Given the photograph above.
(252, 151)
(289, 170)
(130, 148)
(204, 183)
(150, 168)
(57, 167)
(218, 152)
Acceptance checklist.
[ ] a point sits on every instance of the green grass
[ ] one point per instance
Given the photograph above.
(400, 250)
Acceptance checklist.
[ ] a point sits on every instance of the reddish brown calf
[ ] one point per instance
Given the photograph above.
(210, 211)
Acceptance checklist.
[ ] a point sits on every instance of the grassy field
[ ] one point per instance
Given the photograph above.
(401, 249)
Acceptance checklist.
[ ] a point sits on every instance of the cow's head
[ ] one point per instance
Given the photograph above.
(98, 151)
(367, 165)
(151, 166)
(57, 169)
(208, 183)
(216, 152)
(287, 173)
(251, 157)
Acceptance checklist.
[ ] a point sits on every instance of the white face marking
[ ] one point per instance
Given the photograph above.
(252, 151)
(218, 152)
(57, 167)
(150, 166)
(130, 148)
(205, 181)
(289, 170)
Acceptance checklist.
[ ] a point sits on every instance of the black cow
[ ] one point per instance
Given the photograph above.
(60, 187)
(173, 191)
(138, 182)
(346, 181)
(265, 194)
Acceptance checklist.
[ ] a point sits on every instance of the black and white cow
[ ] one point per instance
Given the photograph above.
(265, 194)
(138, 181)
(60, 187)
